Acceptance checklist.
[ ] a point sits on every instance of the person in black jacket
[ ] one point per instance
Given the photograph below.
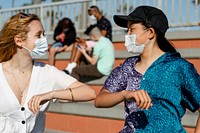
(64, 36)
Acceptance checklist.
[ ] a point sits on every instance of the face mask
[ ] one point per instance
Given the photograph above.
(41, 46)
(131, 46)
(92, 20)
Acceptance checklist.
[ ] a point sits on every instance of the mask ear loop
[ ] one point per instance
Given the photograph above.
(142, 31)
(26, 48)
(139, 34)
(148, 38)
(146, 42)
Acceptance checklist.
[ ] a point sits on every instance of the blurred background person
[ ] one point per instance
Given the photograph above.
(76, 56)
(92, 18)
(102, 22)
(64, 36)
(101, 62)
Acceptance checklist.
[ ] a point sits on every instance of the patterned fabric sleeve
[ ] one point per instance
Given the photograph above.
(116, 80)
(105, 25)
(191, 87)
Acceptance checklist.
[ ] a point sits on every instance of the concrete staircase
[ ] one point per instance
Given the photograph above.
(85, 118)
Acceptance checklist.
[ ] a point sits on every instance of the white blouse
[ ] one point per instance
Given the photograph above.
(15, 118)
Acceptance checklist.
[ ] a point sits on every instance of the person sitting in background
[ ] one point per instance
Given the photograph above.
(92, 19)
(102, 60)
(64, 36)
(27, 86)
(76, 56)
(102, 22)
(104, 25)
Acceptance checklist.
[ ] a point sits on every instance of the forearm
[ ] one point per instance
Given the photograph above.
(106, 99)
(76, 92)
(88, 58)
(82, 93)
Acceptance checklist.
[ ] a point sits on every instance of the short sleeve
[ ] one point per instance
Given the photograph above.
(98, 48)
(116, 80)
(61, 80)
(105, 25)
(191, 89)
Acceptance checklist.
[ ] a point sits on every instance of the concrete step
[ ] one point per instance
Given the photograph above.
(66, 116)
(116, 112)
(55, 131)
(87, 109)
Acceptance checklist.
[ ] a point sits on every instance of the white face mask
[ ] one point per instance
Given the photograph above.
(92, 20)
(131, 46)
(40, 49)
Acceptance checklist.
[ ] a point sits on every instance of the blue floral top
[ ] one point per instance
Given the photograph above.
(173, 85)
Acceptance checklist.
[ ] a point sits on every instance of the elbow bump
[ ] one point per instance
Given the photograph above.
(93, 95)
(96, 104)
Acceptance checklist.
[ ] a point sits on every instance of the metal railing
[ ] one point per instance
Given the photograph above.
(182, 14)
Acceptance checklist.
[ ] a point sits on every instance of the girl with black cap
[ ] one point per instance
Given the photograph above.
(156, 84)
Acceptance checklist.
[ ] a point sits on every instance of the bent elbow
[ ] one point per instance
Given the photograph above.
(92, 95)
(93, 63)
(97, 104)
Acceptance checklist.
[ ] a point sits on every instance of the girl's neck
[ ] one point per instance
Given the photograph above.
(21, 64)
(151, 55)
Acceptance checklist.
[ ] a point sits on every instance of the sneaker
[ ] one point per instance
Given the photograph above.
(70, 67)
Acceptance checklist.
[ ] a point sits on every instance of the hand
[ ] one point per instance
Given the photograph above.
(59, 37)
(88, 49)
(37, 100)
(141, 98)
(81, 49)
(61, 48)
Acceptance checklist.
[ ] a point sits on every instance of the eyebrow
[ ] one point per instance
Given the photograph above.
(40, 32)
(131, 26)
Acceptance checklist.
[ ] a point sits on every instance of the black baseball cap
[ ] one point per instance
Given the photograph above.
(147, 14)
